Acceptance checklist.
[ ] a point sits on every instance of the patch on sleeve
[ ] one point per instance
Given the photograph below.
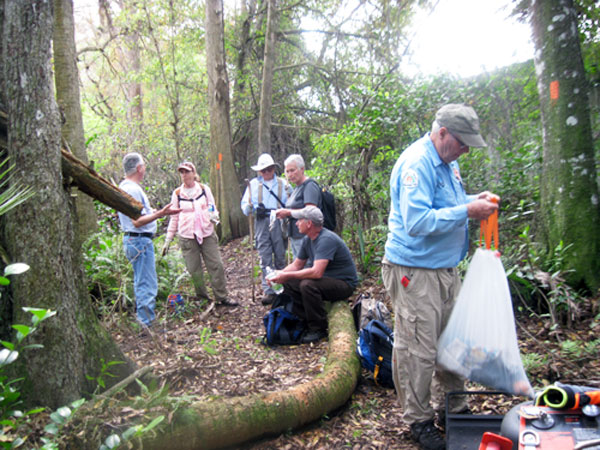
(410, 179)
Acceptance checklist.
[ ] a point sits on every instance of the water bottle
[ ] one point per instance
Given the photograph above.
(277, 287)
(212, 214)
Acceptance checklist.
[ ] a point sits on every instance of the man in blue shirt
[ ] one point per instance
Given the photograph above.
(263, 196)
(137, 239)
(427, 238)
(322, 271)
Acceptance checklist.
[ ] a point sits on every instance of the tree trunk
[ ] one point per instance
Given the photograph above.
(266, 91)
(226, 422)
(242, 133)
(40, 231)
(76, 173)
(66, 78)
(569, 191)
(222, 171)
(130, 60)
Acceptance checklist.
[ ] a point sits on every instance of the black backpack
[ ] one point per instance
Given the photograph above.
(281, 325)
(374, 347)
(327, 207)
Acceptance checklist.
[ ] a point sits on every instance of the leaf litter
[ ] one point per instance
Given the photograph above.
(220, 353)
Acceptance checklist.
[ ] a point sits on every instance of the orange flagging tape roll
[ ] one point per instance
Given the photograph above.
(489, 231)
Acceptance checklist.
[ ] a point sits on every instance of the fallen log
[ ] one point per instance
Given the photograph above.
(94, 185)
(224, 422)
(87, 179)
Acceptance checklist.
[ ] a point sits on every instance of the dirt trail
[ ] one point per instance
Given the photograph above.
(220, 353)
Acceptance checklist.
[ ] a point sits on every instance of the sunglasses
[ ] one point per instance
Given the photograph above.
(460, 143)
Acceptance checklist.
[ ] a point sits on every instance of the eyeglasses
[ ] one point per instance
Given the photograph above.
(461, 144)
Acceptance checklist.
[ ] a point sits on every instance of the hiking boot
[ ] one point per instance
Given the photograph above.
(312, 336)
(227, 302)
(268, 299)
(427, 435)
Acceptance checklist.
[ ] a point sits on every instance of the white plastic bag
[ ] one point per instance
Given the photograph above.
(480, 341)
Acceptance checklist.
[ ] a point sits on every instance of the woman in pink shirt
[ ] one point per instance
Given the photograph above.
(195, 228)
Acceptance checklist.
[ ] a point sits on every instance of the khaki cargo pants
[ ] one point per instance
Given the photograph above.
(208, 254)
(422, 309)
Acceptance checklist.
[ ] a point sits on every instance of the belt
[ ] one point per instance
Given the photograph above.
(134, 234)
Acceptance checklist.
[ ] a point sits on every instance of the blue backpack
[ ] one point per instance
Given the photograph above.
(282, 326)
(374, 348)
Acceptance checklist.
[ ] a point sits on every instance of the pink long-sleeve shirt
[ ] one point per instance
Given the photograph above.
(194, 220)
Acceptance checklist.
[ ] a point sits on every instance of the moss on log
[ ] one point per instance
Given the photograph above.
(225, 422)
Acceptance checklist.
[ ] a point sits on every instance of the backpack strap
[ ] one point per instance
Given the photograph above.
(181, 199)
(279, 187)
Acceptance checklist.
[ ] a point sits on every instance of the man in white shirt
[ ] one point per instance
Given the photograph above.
(137, 239)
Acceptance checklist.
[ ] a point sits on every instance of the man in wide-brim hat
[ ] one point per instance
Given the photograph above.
(266, 193)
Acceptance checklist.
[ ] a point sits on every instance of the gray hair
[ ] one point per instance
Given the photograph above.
(295, 159)
(131, 161)
(435, 127)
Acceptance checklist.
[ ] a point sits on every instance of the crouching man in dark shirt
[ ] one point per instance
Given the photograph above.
(323, 270)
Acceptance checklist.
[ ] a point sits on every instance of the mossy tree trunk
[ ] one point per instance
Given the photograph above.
(225, 422)
(266, 88)
(569, 191)
(66, 77)
(40, 232)
(223, 179)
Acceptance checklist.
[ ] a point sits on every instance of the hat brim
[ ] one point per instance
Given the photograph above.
(258, 168)
(471, 140)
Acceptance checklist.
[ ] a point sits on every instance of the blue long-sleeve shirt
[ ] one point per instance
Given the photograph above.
(268, 199)
(428, 212)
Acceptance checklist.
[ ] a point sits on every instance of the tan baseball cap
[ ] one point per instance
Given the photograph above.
(462, 122)
(311, 213)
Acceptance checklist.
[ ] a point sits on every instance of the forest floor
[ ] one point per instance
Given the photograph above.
(219, 352)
